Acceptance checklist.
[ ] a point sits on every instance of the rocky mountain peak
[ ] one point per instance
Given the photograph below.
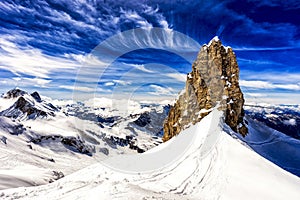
(27, 106)
(214, 81)
(14, 93)
(36, 96)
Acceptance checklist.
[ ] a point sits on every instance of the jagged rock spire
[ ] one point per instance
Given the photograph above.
(214, 81)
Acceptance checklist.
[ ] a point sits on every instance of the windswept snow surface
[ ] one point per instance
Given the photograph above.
(212, 165)
(275, 146)
(38, 149)
(24, 163)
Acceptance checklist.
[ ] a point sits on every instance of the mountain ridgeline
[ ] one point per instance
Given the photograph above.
(27, 106)
(213, 82)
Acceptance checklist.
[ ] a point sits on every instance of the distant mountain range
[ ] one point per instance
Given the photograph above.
(283, 118)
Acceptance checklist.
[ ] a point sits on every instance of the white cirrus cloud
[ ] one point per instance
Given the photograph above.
(109, 84)
(256, 84)
(122, 82)
(31, 61)
(133, 16)
(255, 94)
(268, 85)
(178, 76)
(26, 82)
(159, 90)
(142, 68)
(88, 59)
(283, 77)
(77, 88)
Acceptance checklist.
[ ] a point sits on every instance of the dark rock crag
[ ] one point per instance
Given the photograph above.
(14, 93)
(213, 82)
(27, 106)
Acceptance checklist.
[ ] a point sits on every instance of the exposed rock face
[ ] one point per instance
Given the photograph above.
(214, 81)
(14, 93)
(71, 142)
(36, 96)
(27, 106)
(143, 119)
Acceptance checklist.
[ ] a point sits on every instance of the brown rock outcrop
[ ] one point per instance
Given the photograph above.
(214, 81)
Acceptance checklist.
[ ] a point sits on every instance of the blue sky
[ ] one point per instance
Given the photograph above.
(50, 45)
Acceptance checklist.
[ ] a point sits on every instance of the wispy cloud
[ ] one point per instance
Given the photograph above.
(286, 77)
(77, 88)
(88, 59)
(258, 62)
(109, 83)
(255, 94)
(38, 82)
(143, 68)
(134, 17)
(239, 48)
(31, 61)
(159, 90)
(122, 82)
(177, 76)
(290, 4)
(272, 76)
(26, 82)
(273, 98)
(268, 85)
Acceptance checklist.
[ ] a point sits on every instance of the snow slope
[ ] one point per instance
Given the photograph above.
(37, 149)
(26, 163)
(212, 165)
(273, 145)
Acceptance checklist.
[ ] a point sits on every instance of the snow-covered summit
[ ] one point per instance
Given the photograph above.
(14, 93)
(215, 39)
(27, 106)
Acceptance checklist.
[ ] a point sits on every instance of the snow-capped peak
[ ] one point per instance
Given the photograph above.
(27, 105)
(14, 93)
(215, 39)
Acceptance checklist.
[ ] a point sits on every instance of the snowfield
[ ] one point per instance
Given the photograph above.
(209, 165)
(43, 140)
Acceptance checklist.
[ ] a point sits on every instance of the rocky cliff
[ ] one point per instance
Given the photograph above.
(213, 82)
